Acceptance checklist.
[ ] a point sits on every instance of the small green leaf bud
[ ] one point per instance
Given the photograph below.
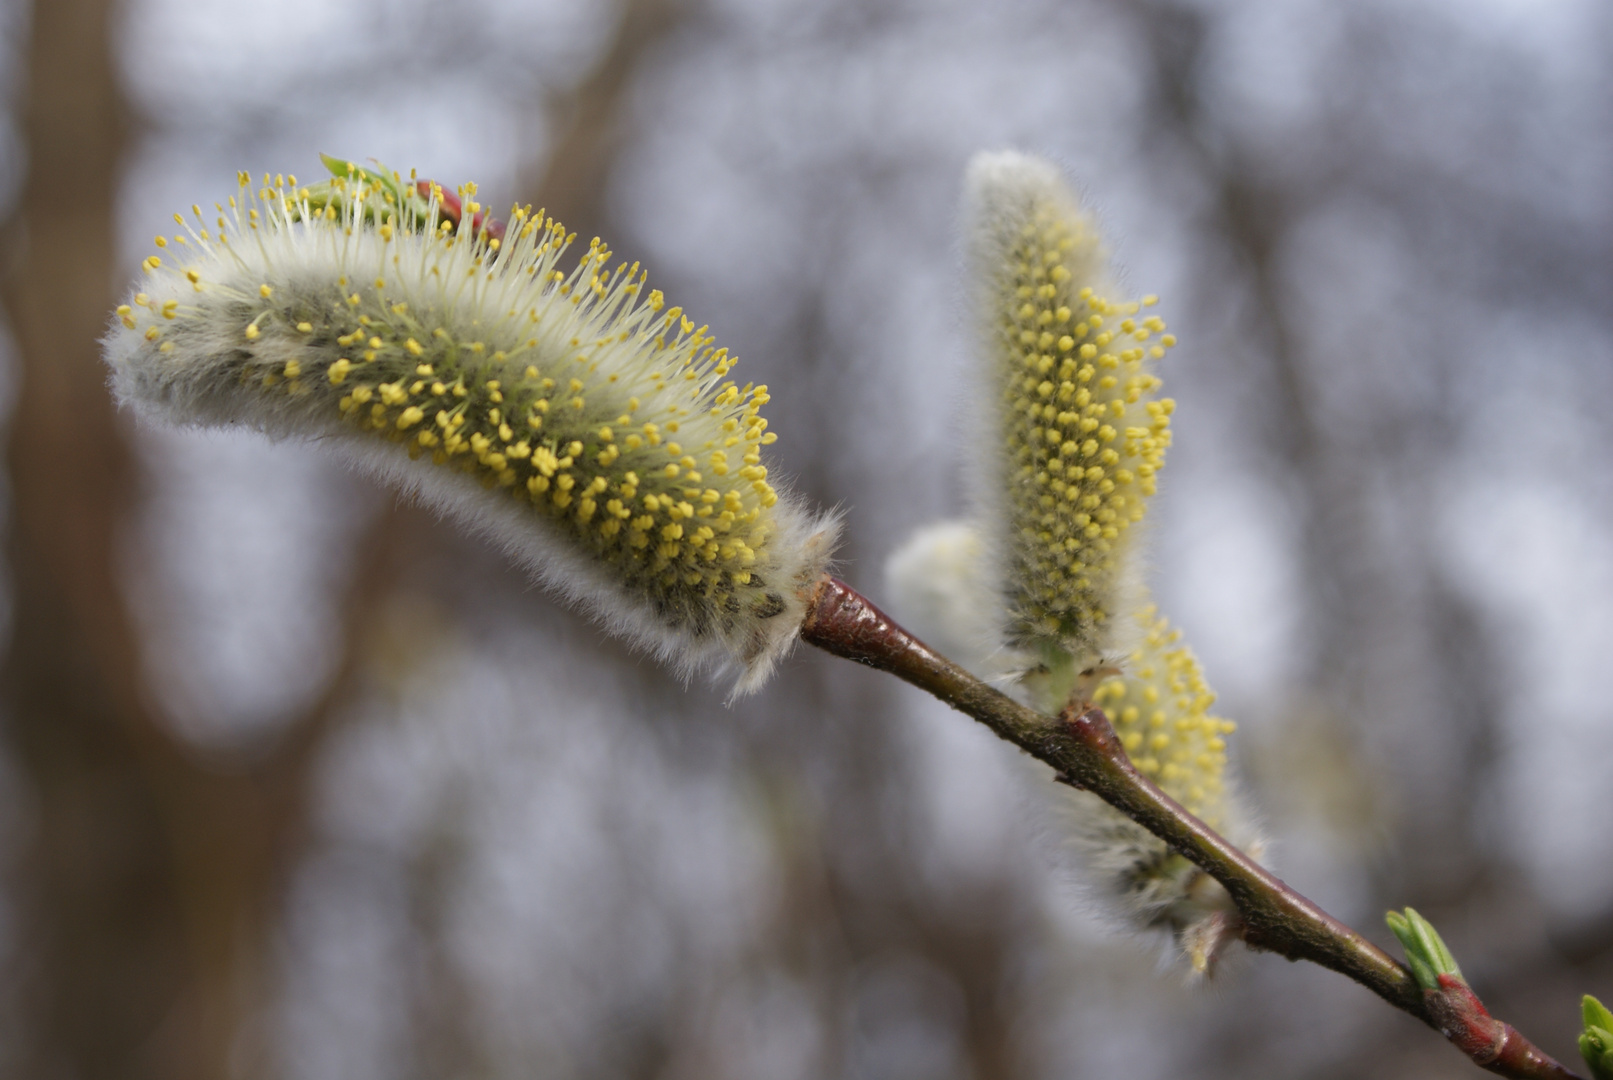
(1426, 953)
(1596, 1041)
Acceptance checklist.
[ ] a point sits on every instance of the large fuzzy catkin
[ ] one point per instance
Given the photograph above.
(1076, 434)
(573, 416)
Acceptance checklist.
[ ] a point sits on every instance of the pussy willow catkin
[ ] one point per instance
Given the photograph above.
(572, 414)
(1078, 435)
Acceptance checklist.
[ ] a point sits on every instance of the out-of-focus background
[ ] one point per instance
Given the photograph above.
(297, 783)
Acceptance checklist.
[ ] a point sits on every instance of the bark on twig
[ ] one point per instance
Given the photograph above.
(1082, 748)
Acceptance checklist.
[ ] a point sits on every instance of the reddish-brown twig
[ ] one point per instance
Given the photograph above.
(1081, 746)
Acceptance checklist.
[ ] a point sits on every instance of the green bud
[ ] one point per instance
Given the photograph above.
(1426, 953)
(1596, 1041)
(388, 195)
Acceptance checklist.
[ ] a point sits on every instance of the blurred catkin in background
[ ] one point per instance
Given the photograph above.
(298, 783)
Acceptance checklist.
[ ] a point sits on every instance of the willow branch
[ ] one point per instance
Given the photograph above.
(1082, 747)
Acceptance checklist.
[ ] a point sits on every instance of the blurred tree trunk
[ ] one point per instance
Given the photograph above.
(102, 931)
(148, 877)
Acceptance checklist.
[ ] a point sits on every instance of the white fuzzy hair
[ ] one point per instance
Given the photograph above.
(1134, 878)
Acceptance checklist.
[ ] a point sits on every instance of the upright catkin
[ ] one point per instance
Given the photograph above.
(1077, 432)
